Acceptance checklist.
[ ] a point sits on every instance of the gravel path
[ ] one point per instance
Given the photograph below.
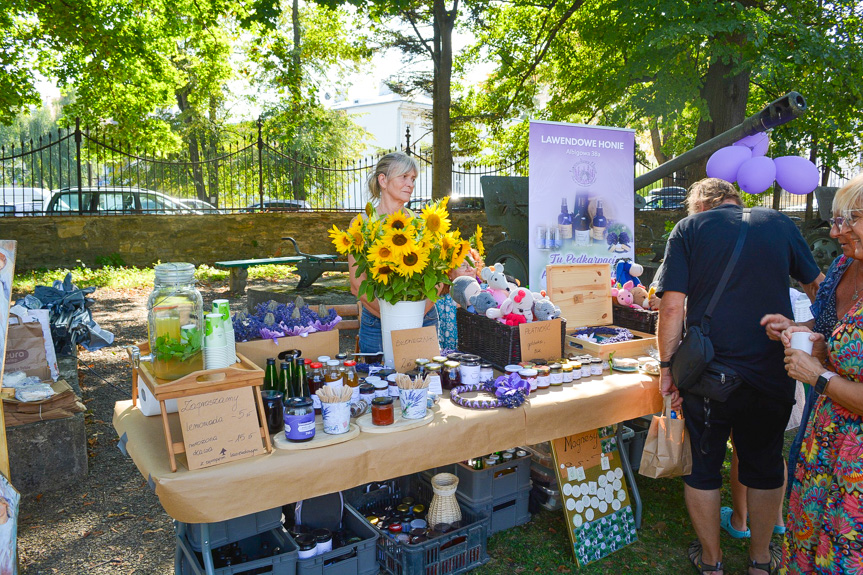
(112, 523)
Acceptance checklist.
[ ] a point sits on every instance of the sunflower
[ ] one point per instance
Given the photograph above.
(412, 262)
(342, 240)
(397, 221)
(398, 241)
(436, 219)
(382, 272)
(459, 254)
(448, 242)
(380, 251)
(478, 238)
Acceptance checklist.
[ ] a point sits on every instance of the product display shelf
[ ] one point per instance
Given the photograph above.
(242, 374)
(353, 559)
(190, 562)
(457, 551)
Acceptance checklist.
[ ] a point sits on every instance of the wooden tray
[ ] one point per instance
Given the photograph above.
(320, 439)
(400, 424)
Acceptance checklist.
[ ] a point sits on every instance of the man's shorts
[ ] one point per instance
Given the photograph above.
(758, 422)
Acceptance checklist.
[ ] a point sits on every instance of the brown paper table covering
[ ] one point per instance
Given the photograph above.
(266, 481)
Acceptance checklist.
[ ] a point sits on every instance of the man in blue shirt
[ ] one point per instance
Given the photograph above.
(757, 412)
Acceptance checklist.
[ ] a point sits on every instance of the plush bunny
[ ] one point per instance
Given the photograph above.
(482, 302)
(496, 280)
(463, 289)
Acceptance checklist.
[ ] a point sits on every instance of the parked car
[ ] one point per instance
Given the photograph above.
(461, 203)
(270, 205)
(666, 192)
(23, 201)
(112, 201)
(666, 204)
(200, 206)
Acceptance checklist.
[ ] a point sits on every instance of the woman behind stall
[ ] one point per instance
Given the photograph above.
(390, 187)
(825, 518)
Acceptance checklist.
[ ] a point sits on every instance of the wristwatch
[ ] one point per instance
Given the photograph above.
(664, 364)
(822, 381)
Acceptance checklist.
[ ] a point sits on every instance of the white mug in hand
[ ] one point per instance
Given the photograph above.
(800, 340)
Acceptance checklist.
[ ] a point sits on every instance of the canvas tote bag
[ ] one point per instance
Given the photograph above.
(667, 452)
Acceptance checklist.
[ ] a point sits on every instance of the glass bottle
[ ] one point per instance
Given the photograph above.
(352, 379)
(271, 376)
(599, 225)
(333, 376)
(316, 381)
(342, 357)
(285, 380)
(581, 223)
(173, 304)
(564, 223)
(301, 386)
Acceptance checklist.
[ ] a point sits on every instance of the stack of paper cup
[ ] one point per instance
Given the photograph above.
(216, 351)
(223, 308)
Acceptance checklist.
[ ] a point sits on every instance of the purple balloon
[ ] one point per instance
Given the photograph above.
(796, 175)
(756, 175)
(725, 162)
(758, 143)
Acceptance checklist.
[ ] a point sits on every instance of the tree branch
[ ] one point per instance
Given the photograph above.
(409, 17)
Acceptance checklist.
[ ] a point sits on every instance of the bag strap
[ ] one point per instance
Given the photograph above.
(723, 281)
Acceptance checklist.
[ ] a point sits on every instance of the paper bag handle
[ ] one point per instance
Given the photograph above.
(666, 407)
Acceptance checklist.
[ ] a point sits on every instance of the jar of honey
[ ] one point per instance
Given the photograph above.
(382, 411)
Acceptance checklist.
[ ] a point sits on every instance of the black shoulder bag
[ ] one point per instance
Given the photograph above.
(690, 362)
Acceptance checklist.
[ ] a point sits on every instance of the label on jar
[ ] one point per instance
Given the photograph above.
(470, 375)
(556, 378)
(576, 374)
(585, 370)
(299, 427)
(355, 395)
(595, 369)
(435, 384)
(543, 381)
(567, 376)
(307, 553)
(394, 390)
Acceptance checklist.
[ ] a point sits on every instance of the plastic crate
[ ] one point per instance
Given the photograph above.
(542, 475)
(455, 552)
(354, 559)
(225, 532)
(548, 498)
(285, 563)
(496, 483)
(635, 447)
(493, 341)
(541, 453)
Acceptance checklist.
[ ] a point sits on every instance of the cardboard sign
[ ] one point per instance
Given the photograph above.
(596, 503)
(410, 344)
(220, 426)
(540, 339)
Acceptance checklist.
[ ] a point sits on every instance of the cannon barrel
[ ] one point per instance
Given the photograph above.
(790, 106)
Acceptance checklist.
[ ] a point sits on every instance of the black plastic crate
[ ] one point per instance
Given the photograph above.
(224, 532)
(495, 483)
(457, 551)
(354, 559)
(282, 563)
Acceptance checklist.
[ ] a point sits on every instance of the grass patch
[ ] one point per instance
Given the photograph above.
(130, 277)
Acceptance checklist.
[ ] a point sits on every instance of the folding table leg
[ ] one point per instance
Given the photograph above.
(630, 477)
(209, 568)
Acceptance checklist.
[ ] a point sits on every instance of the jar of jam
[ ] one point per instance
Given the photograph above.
(367, 392)
(585, 368)
(433, 370)
(486, 373)
(595, 366)
(439, 359)
(543, 377)
(382, 411)
(566, 372)
(469, 369)
(512, 368)
(316, 382)
(421, 365)
(529, 375)
(392, 385)
(307, 545)
(381, 386)
(451, 376)
(556, 374)
(455, 356)
(299, 419)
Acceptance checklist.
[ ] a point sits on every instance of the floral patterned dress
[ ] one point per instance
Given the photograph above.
(825, 513)
(447, 332)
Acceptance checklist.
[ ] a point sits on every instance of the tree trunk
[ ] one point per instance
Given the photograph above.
(725, 94)
(194, 154)
(444, 21)
(298, 188)
(213, 165)
(813, 155)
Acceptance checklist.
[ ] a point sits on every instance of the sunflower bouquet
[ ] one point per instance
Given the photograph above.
(404, 255)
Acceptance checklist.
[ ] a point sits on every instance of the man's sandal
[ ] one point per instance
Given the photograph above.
(772, 566)
(695, 552)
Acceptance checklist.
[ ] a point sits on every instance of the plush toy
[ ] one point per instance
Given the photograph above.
(544, 309)
(639, 297)
(623, 294)
(627, 271)
(653, 300)
(522, 308)
(482, 302)
(499, 313)
(463, 288)
(496, 280)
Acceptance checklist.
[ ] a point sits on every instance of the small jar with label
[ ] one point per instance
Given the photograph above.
(433, 371)
(451, 376)
(367, 392)
(543, 377)
(323, 539)
(486, 373)
(585, 368)
(595, 366)
(512, 368)
(438, 359)
(307, 545)
(566, 372)
(421, 365)
(299, 420)
(605, 365)
(576, 369)
(529, 375)
(392, 385)
(470, 370)
(382, 411)
(556, 374)
(381, 386)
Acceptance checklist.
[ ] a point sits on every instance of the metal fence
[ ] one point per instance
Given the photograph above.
(87, 175)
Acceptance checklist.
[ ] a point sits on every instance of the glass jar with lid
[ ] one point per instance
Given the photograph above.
(175, 321)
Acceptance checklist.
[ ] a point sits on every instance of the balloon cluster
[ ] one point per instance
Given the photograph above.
(745, 163)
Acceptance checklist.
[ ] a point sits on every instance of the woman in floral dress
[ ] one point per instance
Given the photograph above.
(825, 517)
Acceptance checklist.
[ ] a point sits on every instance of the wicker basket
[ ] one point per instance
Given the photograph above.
(637, 319)
(493, 341)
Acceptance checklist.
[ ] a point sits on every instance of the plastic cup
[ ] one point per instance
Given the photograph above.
(223, 308)
(337, 417)
(214, 331)
(800, 340)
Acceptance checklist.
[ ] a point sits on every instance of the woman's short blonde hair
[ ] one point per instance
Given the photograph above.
(849, 197)
(709, 193)
(393, 164)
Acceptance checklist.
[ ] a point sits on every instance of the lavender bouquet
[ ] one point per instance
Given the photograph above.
(273, 320)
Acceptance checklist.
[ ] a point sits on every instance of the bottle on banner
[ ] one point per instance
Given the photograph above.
(581, 222)
(599, 225)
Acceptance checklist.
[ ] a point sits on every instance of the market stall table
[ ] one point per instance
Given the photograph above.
(234, 489)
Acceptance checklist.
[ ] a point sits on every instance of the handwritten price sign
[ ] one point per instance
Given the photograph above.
(540, 339)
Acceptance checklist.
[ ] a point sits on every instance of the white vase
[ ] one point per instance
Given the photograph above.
(401, 315)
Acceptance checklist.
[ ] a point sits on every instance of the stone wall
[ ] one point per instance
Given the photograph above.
(60, 241)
